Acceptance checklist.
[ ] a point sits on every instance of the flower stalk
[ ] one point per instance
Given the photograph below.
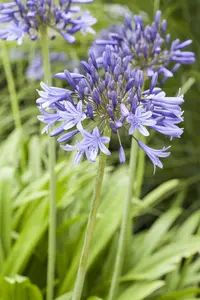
(90, 229)
(140, 169)
(13, 97)
(52, 182)
(125, 226)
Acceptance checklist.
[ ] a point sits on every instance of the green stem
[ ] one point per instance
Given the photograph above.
(156, 6)
(125, 226)
(11, 86)
(89, 230)
(52, 163)
(13, 98)
(140, 169)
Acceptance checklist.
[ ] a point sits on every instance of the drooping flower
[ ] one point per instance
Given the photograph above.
(149, 46)
(154, 154)
(28, 17)
(106, 100)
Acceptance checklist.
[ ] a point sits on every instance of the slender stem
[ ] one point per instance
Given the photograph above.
(13, 98)
(156, 6)
(140, 169)
(11, 85)
(125, 226)
(89, 230)
(52, 162)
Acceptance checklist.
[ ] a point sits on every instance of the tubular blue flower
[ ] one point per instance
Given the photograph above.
(154, 154)
(108, 98)
(149, 46)
(28, 17)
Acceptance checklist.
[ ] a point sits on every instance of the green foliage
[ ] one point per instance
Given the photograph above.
(18, 288)
(163, 258)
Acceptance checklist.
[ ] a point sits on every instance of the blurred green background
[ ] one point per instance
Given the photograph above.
(167, 215)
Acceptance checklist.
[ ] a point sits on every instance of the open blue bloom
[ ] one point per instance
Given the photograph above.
(90, 145)
(107, 99)
(14, 31)
(149, 46)
(28, 17)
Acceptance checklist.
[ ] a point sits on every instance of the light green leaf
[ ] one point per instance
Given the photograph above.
(156, 232)
(163, 261)
(27, 241)
(188, 227)
(67, 296)
(139, 291)
(94, 298)
(18, 288)
(156, 196)
(179, 294)
(187, 85)
(6, 208)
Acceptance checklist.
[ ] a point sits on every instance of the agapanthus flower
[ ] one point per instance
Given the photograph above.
(106, 100)
(150, 46)
(28, 17)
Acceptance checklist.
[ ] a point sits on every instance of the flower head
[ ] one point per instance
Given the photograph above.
(149, 46)
(27, 17)
(106, 100)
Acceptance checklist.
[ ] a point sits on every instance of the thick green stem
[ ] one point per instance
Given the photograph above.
(13, 98)
(125, 226)
(52, 163)
(89, 230)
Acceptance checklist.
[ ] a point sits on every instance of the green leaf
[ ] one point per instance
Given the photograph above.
(139, 291)
(27, 241)
(94, 298)
(187, 85)
(156, 196)
(163, 261)
(6, 208)
(18, 288)
(185, 231)
(156, 233)
(110, 213)
(179, 294)
(67, 296)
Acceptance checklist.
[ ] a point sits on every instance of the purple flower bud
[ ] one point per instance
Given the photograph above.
(122, 157)
(114, 99)
(113, 127)
(164, 27)
(110, 113)
(96, 97)
(66, 137)
(153, 81)
(130, 84)
(90, 111)
(157, 17)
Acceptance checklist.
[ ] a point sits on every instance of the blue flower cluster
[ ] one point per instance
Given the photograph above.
(149, 46)
(29, 17)
(108, 98)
